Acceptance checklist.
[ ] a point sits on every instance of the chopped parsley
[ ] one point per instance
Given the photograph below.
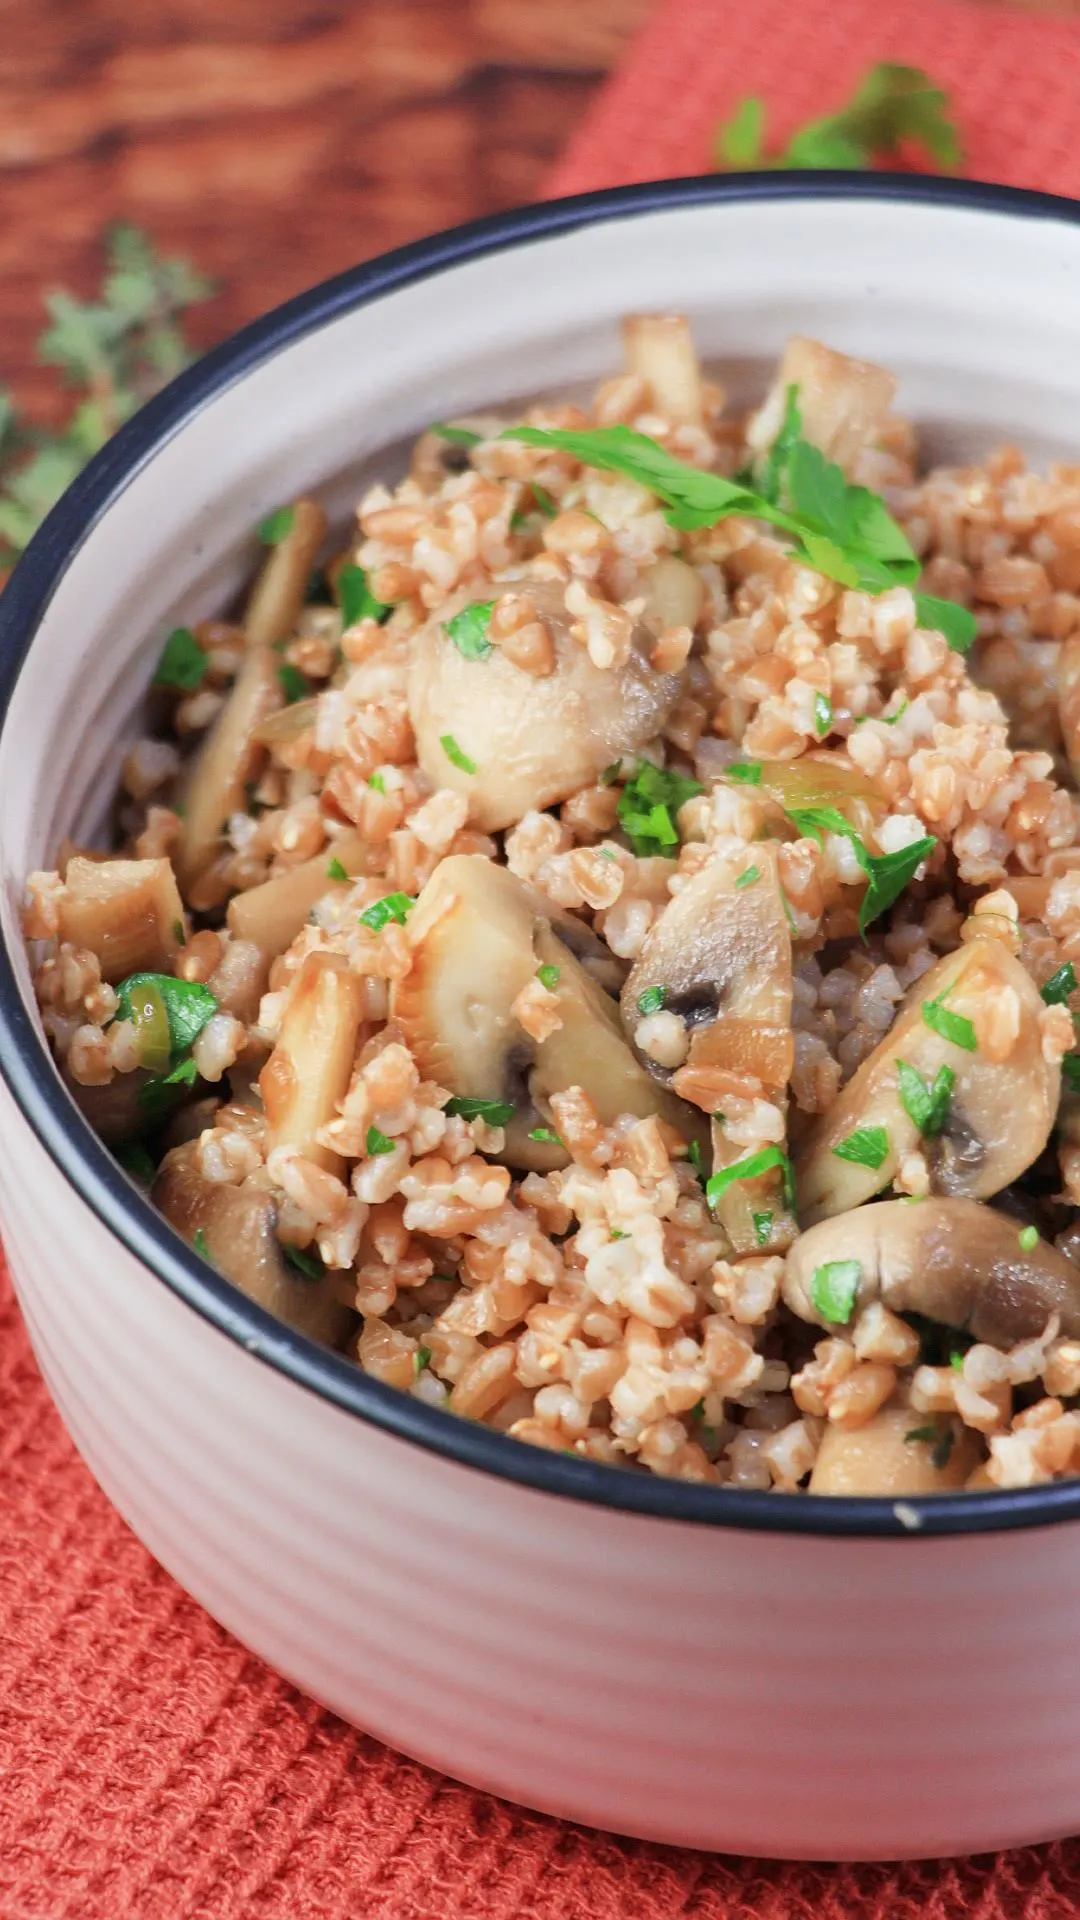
(942, 1449)
(956, 1360)
(694, 1155)
(546, 1135)
(292, 683)
(335, 870)
(823, 715)
(199, 1244)
(356, 598)
(745, 773)
(158, 1095)
(1028, 1238)
(652, 1000)
(929, 1432)
(494, 1113)
(926, 1103)
(762, 1227)
(866, 1147)
(273, 529)
(542, 503)
(179, 935)
(135, 1161)
(548, 977)
(458, 436)
(455, 754)
(611, 774)
(890, 719)
(377, 1143)
(305, 1262)
(647, 807)
(1060, 985)
(1070, 1072)
(469, 630)
(183, 663)
(618, 1234)
(747, 877)
(392, 906)
(377, 783)
(188, 1004)
(833, 1289)
(954, 1027)
(842, 531)
(887, 874)
(421, 1359)
(751, 1168)
(773, 467)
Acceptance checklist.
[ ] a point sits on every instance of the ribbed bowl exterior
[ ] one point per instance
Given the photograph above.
(759, 1692)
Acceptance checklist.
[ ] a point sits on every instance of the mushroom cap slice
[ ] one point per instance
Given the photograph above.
(1000, 1113)
(880, 1457)
(237, 1224)
(533, 741)
(842, 401)
(478, 936)
(722, 954)
(951, 1260)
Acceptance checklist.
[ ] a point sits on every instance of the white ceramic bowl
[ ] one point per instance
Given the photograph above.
(755, 1673)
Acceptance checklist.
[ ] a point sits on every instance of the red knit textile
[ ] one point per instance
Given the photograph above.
(150, 1769)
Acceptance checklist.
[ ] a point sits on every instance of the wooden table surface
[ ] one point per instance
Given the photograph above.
(274, 141)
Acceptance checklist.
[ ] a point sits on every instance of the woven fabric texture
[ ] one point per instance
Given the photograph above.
(150, 1769)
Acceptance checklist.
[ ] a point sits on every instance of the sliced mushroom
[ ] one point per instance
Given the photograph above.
(952, 1260)
(271, 915)
(479, 935)
(842, 402)
(229, 757)
(720, 955)
(892, 1454)
(309, 1071)
(532, 741)
(279, 591)
(237, 1225)
(128, 912)
(1000, 1112)
(659, 347)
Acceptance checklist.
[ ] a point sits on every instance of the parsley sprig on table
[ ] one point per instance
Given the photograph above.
(117, 350)
(841, 530)
(893, 107)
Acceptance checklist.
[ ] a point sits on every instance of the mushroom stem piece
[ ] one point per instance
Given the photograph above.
(889, 1455)
(843, 402)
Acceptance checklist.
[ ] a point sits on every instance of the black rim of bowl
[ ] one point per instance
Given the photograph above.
(86, 1163)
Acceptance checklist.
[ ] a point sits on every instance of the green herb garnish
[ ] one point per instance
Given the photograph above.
(866, 1147)
(745, 773)
(751, 1168)
(378, 1143)
(747, 877)
(335, 870)
(546, 1135)
(183, 663)
(926, 1103)
(455, 754)
(421, 1359)
(773, 468)
(548, 977)
(1060, 985)
(160, 1093)
(1070, 1072)
(199, 1244)
(377, 783)
(1028, 1238)
(469, 629)
(823, 715)
(887, 874)
(611, 774)
(273, 529)
(694, 1155)
(652, 999)
(833, 1289)
(356, 599)
(179, 933)
(648, 804)
(494, 1113)
(892, 107)
(458, 436)
(392, 906)
(188, 1004)
(292, 683)
(942, 1448)
(929, 1432)
(954, 1027)
(135, 1161)
(305, 1262)
(762, 1227)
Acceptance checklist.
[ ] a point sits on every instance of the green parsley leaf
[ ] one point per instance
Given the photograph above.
(957, 623)
(747, 877)
(611, 774)
(335, 870)
(888, 874)
(378, 1143)
(652, 1000)
(1070, 1072)
(273, 529)
(942, 1448)
(546, 1135)
(392, 906)
(468, 630)
(1028, 1238)
(542, 504)
(774, 466)
(929, 1432)
(179, 933)
(890, 719)
(956, 1361)
(751, 1168)
(739, 140)
(188, 1004)
(823, 715)
(762, 1227)
(292, 683)
(458, 436)
(494, 1113)
(618, 1234)
(893, 107)
(833, 1290)
(135, 1161)
(866, 1147)
(356, 599)
(925, 1103)
(183, 663)
(160, 1094)
(1060, 985)
(454, 753)
(377, 783)
(421, 1359)
(745, 773)
(954, 1027)
(648, 804)
(548, 977)
(199, 1244)
(694, 1155)
(308, 1263)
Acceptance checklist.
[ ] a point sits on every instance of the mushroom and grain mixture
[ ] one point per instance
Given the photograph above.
(599, 949)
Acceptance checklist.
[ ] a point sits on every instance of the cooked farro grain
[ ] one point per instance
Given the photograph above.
(606, 955)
